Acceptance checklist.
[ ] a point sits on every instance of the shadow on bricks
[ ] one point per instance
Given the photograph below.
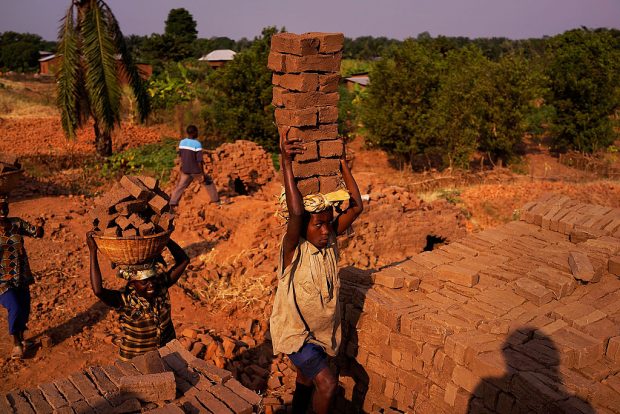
(528, 379)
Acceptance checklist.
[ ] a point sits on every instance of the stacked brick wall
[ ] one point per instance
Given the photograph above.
(501, 321)
(305, 93)
(168, 381)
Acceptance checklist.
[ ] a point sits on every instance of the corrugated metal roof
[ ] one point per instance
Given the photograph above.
(362, 80)
(221, 54)
(46, 58)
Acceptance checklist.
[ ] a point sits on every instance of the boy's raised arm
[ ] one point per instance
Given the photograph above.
(181, 260)
(344, 220)
(294, 200)
(109, 297)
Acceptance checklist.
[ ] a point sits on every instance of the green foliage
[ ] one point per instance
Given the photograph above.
(20, 51)
(583, 88)
(155, 159)
(350, 67)
(238, 100)
(367, 47)
(88, 78)
(172, 87)
(179, 35)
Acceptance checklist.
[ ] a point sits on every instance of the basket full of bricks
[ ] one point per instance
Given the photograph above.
(306, 77)
(132, 222)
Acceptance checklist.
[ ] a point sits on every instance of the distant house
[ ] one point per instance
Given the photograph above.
(360, 79)
(218, 58)
(49, 64)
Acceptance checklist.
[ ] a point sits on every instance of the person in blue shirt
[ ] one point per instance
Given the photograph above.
(190, 151)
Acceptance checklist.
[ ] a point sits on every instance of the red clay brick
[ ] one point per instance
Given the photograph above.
(562, 284)
(323, 132)
(309, 63)
(308, 186)
(53, 396)
(158, 204)
(331, 148)
(37, 400)
(613, 349)
(135, 187)
(329, 83)
(68, 390)
(328, 114)
(297, 117)
(233, 401)
(458, 275)
(576, 348)
(328, 184)
(150, 387)
(465, 379)
(329, 42)
(582, 268)
(389, 277)
(533, 291)
(19, 403)
(295, 44)
(613, 266)
(302, 82)
(327, 166)
(311, 153)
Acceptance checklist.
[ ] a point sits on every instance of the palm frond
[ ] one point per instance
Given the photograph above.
(68, 76)
(136, 83)
(99, 52)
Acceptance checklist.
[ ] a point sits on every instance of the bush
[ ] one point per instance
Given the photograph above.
(155, 159)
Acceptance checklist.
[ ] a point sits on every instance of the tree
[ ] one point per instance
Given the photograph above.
(583, 81)
(88, 84)
(180, 34)
(20, 51)
(238, 101)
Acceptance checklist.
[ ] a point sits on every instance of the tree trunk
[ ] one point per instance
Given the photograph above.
(103, 141)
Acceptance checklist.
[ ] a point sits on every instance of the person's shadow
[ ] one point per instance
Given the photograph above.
(533, 380)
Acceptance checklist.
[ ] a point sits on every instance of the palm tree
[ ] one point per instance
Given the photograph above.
(88, 84)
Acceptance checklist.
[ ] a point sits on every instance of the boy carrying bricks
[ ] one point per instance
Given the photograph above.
(190, 151)
(305, 322)
(144, 304)
(15, 275)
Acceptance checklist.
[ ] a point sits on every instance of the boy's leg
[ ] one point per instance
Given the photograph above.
(311, 364)
(326, 385)
(210, 187)
(184, 181)
(18, 313)
(302, 394)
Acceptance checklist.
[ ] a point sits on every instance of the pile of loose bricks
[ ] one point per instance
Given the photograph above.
(168, 381)
(305, 93)
(134, 207)
(243, 161)
(523, 318)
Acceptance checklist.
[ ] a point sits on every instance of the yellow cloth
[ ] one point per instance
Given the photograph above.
(315, 203)
(306, 307)
(137, 273)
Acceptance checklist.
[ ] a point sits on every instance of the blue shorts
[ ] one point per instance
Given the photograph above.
(310, 360)
(17, 303)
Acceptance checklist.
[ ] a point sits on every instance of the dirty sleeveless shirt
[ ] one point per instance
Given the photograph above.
(306, 306)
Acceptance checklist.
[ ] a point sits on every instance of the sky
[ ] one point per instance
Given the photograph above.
(516, 19)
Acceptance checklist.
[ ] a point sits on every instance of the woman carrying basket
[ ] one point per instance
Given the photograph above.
(144, 304)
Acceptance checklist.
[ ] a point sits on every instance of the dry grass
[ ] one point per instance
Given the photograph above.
(26, 100)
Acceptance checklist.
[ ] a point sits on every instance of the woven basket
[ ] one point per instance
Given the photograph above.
(9, 180)
(132, 250)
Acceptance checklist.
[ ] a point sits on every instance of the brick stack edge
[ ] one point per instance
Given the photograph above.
(168, 381)
(305, 93)
(493, 323)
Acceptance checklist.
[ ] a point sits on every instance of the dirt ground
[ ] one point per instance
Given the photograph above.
(233, 248)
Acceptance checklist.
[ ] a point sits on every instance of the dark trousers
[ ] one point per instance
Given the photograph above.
(184, 182)
(17, 303)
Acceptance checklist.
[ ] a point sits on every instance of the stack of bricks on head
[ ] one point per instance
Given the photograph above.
(306, 77)
(134, 207)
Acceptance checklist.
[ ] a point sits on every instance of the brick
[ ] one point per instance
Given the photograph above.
(5, 405)
(582, 322)
(613, 349)
(308, 186)
(465, 379)
(331, 148)
(389, 277)
(538, 393)
(328, 166)
(116, 195)
(106, 387)
(130, 232)
(328, 42)
(328, 114)
(84, 385)
(299, 117)
(20, 403)
(149, 363)
(158, 204)
(150, 387)
(582, 268)
(323, 132)
(135, 187)
(311, 153)
(577, 349)
(310, 63)
(151, 183)
(126, 208)
(329, 184)
(329, 83)
(424, 330)
(295, 44)
(245, 393)
(209, 370)
(613, 265)
(302, 82)
(233, 401)
(533, 291)
(457, 275)
(37, 400)
(53, 396)
(68, 391)
(562, 284)
(123, 222)
(126, 368)
(212, 403)
(167, 409)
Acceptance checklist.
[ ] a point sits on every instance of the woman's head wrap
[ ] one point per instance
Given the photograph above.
(314, 203)
(137, 272)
